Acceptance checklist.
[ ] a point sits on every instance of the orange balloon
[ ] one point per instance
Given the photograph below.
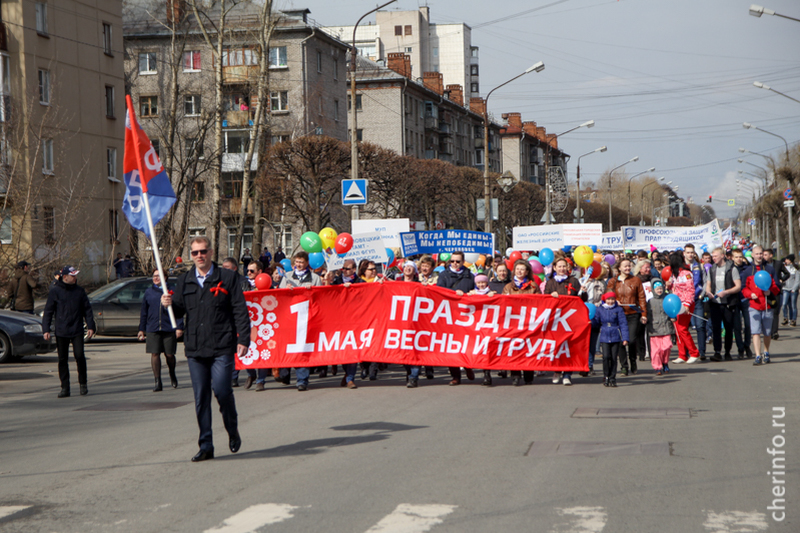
(481, 261)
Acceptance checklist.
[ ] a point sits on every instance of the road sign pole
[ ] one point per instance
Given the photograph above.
(791, 230)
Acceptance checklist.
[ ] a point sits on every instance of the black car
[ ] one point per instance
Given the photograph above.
(21, 335)
(117, 306)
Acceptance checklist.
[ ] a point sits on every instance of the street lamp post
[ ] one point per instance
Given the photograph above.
(487, 189)
(578, 217)
(610, 175)
(767, 87)
(651, 169)
(747, 125)
(353, 110)
(757, 11)
(547, 213)
(658, 181)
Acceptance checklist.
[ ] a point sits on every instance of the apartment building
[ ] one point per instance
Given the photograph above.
(61, 134)
(307, 96)
(528, 148)
(431, 47)
(427, 120)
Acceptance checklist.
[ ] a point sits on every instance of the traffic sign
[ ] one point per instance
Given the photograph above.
(354, 192)
(552, 218)
(787, 194)
(732, 202)
(788, 203)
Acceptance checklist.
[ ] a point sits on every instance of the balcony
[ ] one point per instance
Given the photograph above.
(445, 129)
(479, 142)
(240, 74)
(431, 123)
(238, 119)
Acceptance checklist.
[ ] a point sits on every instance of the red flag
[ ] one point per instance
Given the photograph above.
(139, 152)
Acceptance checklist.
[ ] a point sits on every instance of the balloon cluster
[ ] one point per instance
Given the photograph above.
(326, 240)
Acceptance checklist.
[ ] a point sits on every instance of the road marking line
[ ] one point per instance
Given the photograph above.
(582, 520)
(407, 518)
(254, 517)
(8, 510)
(735, 522)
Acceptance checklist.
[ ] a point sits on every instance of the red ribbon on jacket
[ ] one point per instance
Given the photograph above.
(219, 288)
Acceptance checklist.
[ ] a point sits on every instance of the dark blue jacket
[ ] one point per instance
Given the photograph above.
(70, 306)
(463, 281)
(154, 317)
(613, 324)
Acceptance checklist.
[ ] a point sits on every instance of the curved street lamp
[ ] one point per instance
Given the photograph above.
(578, 197)
(657, 182)
(610, 174)
(651, 169)
(767, 87)
(748, 126)
(757, 11)
(547, 214)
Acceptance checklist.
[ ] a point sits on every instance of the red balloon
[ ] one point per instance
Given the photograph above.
(515, 256)
(343, 243)
(666, 273)
(263, 282)
(510, 265)
(179, 259)
(596, 270)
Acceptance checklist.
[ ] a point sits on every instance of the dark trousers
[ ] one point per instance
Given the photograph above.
(741, 324)
(722, 316)
(700, 326)
(633, 331)
(527, 375)
(62, 343)
(610, 354)
(213, 374)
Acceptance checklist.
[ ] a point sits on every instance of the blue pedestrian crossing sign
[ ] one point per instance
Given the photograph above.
(354, 192)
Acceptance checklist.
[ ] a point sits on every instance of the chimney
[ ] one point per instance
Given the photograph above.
(541, 134)
(477, 105)
(456, 93)
(399, 63)
(175, 11)
(514, 120)
(433, 81)
(529, 128)
(407, 65)
(552, 140)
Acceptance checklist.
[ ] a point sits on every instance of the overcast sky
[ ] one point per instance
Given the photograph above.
(669, 81)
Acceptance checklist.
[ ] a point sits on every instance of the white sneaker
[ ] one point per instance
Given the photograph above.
(567, 381)
(556, 378)
(692, 360)
(678, 361)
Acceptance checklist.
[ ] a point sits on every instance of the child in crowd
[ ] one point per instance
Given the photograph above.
(482, 286)
(660, 328)
(613, 332)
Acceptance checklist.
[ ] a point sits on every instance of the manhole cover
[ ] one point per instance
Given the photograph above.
(594, 412)
(133, 406)
(594, 449)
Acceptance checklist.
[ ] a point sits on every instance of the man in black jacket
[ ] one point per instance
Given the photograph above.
(70, 306)
(216, 326)
(458, 278)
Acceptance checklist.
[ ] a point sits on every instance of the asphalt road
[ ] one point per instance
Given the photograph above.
(684, 453)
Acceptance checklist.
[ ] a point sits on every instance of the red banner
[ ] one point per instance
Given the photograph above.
(408, 323)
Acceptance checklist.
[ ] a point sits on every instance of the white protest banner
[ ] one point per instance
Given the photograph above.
(557, 236)
(390, 229)
(612, 241)
(365, 246)
(706, 237)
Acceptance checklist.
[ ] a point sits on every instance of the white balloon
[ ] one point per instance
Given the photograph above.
(508, 252)
(471, 257)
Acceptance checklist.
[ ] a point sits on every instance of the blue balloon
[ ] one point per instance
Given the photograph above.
(593, 247)
(286, 264)
(567, 249)
(316, 260)
(390, 253)
(440, 268)
(592, 309)
(546, 256)
(704, 247)
(763, 280)
(672, 305)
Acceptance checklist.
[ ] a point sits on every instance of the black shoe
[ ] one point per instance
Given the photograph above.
(373, 377)
(748, 352)
(741, 355)
(470, 374)
(517, 382)
(703, 358)
(428, 373)
(487, 381)
(64, 393)
(775, 336)
(286, 380)
(302, 387)
(203, 455)
(641, 358)
(235, 443)
(174, 380)
(412, 383)
(717, 358)
(235, 382)
(84, 389)
(324, 373)
(583, 374)
(728, 357)
(613, 383)
(159, 387)
(334, 370)
(605, 382)
(624, 372)
(502, 374)
(364, 374)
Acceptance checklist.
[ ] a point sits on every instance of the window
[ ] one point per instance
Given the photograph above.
(336, 69)
(473, 70)
(473, 51)
(49, 224)
(147, 63)
(133, 293)
(199, 192)
(474, 88)
(47, 156)
(111, 164)
(107, 39)
(191, 61)
(41, 18)
(277, 57)
(435, 51)
(110, 101)
(359, 134)
(6, 233)
(281, 139)
(237, 142)
(336, 110)
(191, 105)
(156, 146)
(319, 61)
(148, 106)
(408, 29)
(44, 87)
(113, 225)
(194, 148)
(197, 232)
(350, 104)
(236, 57)
(279, 101)
(409, 49)
(398, 30)
(232, 184)
(247, 238)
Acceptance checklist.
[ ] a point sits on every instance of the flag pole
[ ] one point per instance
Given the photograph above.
(156, 255)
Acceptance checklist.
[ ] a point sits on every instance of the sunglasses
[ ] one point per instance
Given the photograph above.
(251, 271)
(348, 268)
(195, 253)
(373, 268)
(457, 262)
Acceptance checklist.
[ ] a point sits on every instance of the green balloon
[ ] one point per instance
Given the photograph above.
(310, 242)
(444, 257)
(748, 253)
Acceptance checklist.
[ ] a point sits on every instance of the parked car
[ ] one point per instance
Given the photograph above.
(21, 335)
(117, 306)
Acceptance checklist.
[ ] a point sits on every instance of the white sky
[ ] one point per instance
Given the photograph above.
(669, 81)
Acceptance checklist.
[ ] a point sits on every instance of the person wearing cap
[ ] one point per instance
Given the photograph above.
(21, 288)
(68, 303)
(660, 329)
(482, 288)
(409, 273)
(613, 324)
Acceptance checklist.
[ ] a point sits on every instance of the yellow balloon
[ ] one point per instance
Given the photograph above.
(328, 237)
(583, 256)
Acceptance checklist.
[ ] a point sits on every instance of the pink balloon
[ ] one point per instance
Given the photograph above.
(536, 266)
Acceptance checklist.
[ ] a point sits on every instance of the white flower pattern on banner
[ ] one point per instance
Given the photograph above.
(251, 355)
(265, 331)
(256, 313)
(271, 317)
(265, 354)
